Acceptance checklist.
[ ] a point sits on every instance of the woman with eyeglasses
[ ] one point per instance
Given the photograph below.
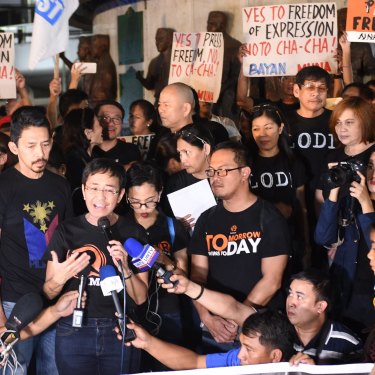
(163, 310)
(79, 256)
(193, 146)
(277, 175)
(338, 229)
(81, 133)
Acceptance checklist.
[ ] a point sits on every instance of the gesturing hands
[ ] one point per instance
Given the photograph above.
(58, 273)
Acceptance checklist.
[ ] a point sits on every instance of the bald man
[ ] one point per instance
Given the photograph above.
(176, 104)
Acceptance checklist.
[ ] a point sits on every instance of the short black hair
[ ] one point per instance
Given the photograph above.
(143, 172)
(314, 73)
(241, 156)
(104, 165)
(26, 117)
(371, 82)
(109, 102)
(149, 111)
(364, 91)
(320, 282)
(273, 329)
(165, 150)
(70, 97)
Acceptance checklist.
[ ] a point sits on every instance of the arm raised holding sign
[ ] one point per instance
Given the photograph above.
(244, 100)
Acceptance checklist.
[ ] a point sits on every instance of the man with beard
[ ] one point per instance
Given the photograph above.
(33, 201)
(111, 114)
(239, 247)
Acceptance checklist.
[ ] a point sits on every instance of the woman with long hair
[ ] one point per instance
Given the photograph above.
(81, 133)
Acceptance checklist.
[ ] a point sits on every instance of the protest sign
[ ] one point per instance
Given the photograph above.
(142, 141)
(282, 39)
(197, 60)
(7, 72)
(360, 21)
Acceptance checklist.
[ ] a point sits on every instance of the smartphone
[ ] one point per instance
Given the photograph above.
(86, 68)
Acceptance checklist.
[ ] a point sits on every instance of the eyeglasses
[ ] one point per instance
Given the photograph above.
(311, 87)
(108, 119)
(137, 205)
(108, 192)
(346, 124)
(185, 133)
(221, 172)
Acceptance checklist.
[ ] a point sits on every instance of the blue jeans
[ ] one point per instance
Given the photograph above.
(93, 349)
(43, 345)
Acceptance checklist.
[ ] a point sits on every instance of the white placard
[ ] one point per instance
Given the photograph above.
(197, 60)
(281, 39)
(7, 71)
(193, 200)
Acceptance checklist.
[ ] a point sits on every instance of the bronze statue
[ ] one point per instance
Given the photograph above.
(226, 105)
(104, 82)
(84, 55)
(158, 69)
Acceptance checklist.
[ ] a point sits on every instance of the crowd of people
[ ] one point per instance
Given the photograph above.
(277, 270)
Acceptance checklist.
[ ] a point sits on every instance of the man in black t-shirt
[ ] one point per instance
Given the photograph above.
(33, 201)
(310, 135)
(111, 114)
(239, 247)
(308, 125)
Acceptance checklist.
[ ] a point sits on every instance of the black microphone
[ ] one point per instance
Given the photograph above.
(24, 311)
(78, 311)
(111, 284)
(105, 226)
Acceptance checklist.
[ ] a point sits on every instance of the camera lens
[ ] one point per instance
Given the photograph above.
(336, 177)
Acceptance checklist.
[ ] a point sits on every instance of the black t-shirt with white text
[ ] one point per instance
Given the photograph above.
(276, 179)
(236, 242)
(312, 140)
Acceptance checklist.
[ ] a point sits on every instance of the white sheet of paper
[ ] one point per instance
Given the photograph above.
(193, 200)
